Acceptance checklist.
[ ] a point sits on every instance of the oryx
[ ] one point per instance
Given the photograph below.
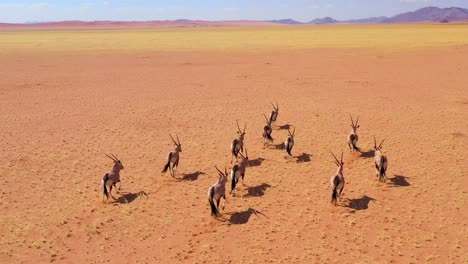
(218, 191)
(110, 179)
(380, 161)
(352, 136)
(267, 139)
(274, 113)
(337, 181)
(238, 171)
(289, 143)
(238, 143)
(173, 157)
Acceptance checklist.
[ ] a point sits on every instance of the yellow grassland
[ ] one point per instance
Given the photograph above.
(234, 38)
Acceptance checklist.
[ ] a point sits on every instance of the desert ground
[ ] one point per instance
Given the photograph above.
(70, 96)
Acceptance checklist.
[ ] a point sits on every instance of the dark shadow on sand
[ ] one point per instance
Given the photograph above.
(130, 197)
(256, 162)
(277, 146)
(257, 191)
(240, 218)
(304, 157)
(399, 181)
(192, 176)
(360, 203)
(367, 154)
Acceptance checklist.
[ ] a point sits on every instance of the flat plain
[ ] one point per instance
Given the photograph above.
(69, 96)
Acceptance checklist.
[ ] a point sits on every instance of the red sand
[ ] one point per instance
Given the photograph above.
(61, 113)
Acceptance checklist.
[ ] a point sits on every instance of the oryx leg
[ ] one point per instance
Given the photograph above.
(382, 175)
(174, 168)
(110, 191)
(235, 188)
(339, 195)
(224, 201)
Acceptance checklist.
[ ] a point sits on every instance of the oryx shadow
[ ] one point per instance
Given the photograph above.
(367, 154)
(284, 127)
(256, 162)
(127, 198)
(277, 146)
(257, 191)
(304, 157)
(192, 176)
(399, 181)
(360, 203)
(240, 218)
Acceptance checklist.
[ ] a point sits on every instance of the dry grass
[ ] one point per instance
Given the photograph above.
(235, 39)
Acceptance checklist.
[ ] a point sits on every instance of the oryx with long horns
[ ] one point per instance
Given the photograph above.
(352, 136)
(274, 114)
(238, 143)
(337, 181)
(218, 191)
(238, 171)
(267, 138)
(289, 143)
(380, 161)
(173, 157)
(110, 179)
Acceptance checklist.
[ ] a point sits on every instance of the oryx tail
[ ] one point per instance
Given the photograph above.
(168, 164)
(214, 210)
(235, 168)
(335, 191)
(104, 182)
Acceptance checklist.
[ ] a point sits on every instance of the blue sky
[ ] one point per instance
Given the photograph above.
(301, 10)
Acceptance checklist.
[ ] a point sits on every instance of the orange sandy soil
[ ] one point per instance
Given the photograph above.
(60, 113)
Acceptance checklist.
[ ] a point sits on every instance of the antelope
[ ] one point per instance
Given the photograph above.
(218, 191)
(173, 157)
(238, 171)
(110, 179)
(352, 136)
(289, 143)
(238, 143)
(380, 161)
(267, 139)
(337, 181)
(274, 113)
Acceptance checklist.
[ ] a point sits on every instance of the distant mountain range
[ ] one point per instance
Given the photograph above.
(137, 24)
(426, 14)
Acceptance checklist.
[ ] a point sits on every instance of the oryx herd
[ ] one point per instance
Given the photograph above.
(238, 169)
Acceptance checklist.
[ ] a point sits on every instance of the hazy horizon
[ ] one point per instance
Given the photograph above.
(144, 10)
